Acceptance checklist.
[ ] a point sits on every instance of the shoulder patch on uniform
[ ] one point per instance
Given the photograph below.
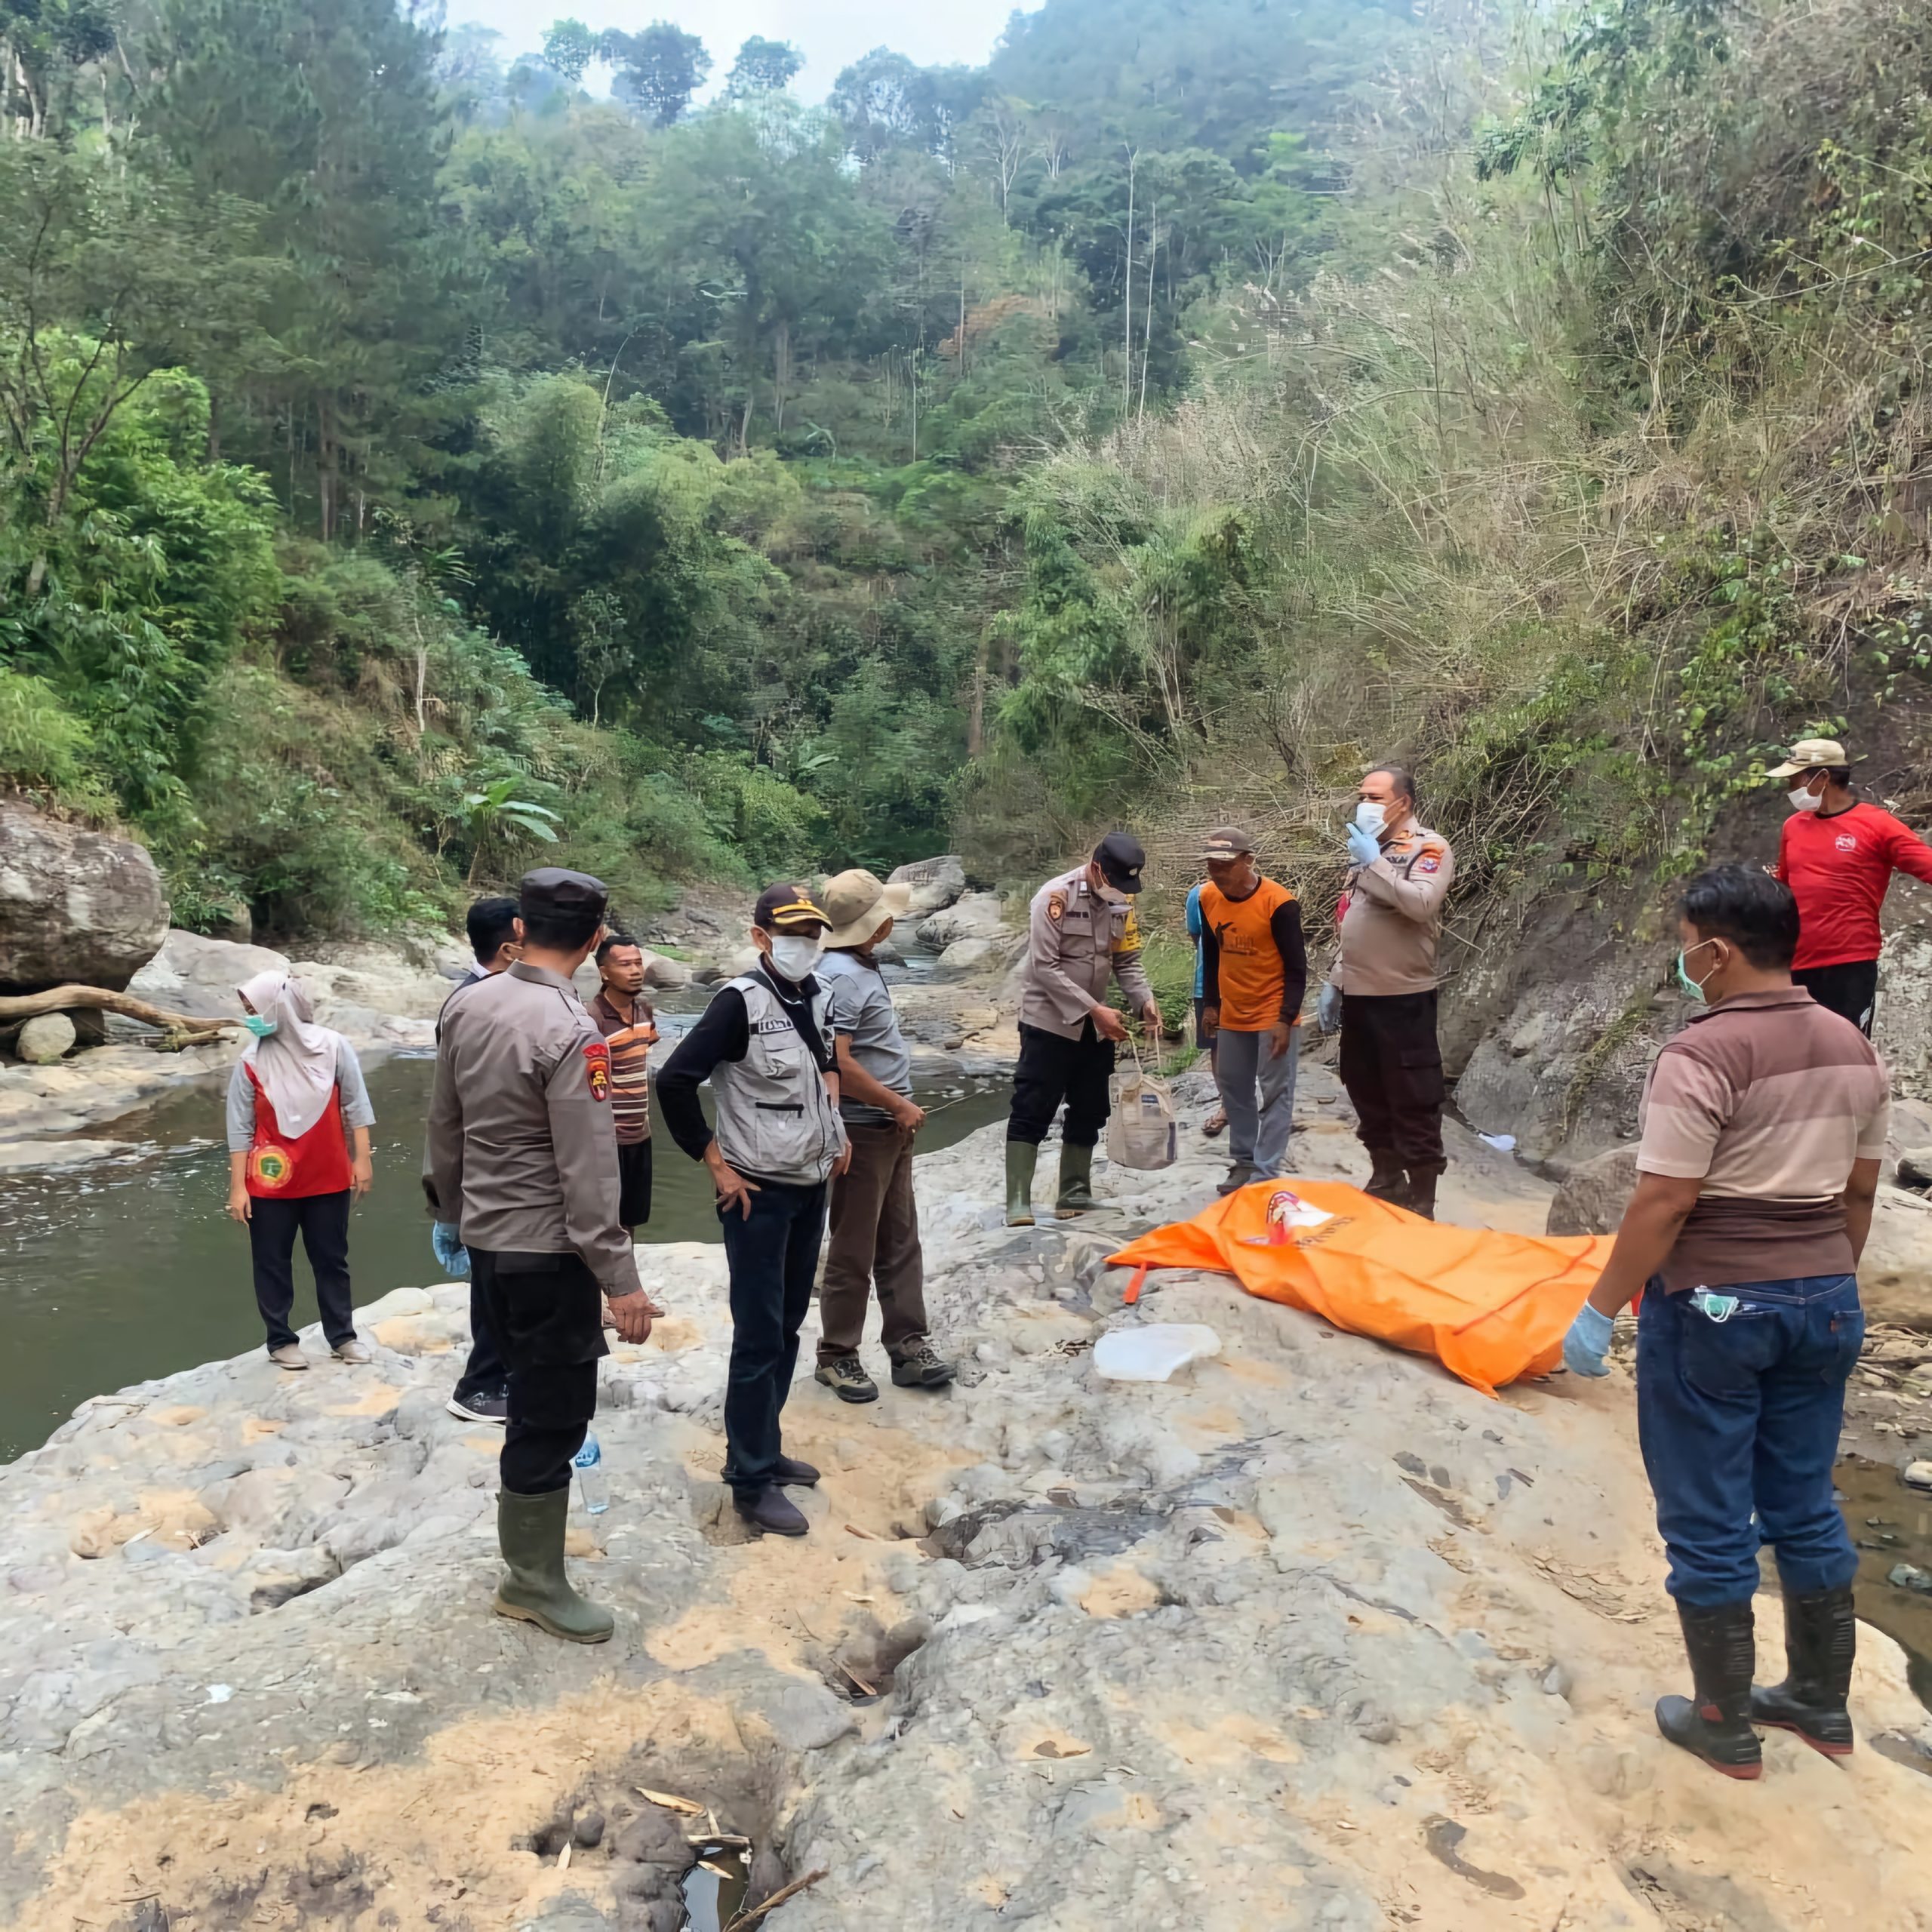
(1056, 906)
(1430, 862)
(597, 1066)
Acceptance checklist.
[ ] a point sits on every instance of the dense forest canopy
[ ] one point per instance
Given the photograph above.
(410, 453)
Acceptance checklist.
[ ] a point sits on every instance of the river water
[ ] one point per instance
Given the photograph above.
(131, 1267)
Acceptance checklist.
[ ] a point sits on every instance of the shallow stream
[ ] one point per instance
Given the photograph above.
(129, 1268)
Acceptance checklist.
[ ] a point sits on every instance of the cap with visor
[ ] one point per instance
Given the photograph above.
(1809, 754)
(1120, 858)
(788, 908)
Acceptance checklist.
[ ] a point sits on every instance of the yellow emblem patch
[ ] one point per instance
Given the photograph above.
(1130, 934)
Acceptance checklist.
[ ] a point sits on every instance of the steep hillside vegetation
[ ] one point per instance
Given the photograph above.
(415, 460)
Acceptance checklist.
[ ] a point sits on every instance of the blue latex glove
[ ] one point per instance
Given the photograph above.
(1363, 847)
(1328, 1006)
(451, 1253)
(1586, 1347)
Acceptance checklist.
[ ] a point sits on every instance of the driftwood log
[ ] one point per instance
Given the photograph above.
(181, 1026)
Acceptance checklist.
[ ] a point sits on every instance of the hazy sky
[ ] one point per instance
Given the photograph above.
(829, 33)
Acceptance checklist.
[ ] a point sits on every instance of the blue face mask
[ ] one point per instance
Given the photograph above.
(1692, 988)
(257, 1026)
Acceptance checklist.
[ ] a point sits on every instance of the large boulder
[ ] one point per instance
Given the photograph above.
(75, 904)
(976, 915)
(1894, 1274)
(1592, 1199)
(198, 976)
(936, 884)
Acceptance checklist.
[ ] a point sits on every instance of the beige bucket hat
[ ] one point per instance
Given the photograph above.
(858, 903)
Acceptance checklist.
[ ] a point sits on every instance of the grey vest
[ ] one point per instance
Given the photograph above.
(775, 1117)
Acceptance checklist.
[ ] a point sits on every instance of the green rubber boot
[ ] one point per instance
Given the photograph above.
(1022, 1157)
(530, 1532)
(1076, 1180)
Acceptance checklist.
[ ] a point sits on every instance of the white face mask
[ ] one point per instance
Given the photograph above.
(1802, 801)
(1370, 815)
(793, 956)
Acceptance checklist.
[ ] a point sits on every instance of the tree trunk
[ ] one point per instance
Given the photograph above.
(1127, 281)
(59, 999)
(781, 372)
(325, 470)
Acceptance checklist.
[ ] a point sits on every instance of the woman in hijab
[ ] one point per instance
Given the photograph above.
(295, 1099)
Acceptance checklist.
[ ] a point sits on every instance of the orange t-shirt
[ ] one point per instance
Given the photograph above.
(1252, 977)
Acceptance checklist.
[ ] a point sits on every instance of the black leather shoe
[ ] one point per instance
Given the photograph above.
(774, 1512)
(789, 1468)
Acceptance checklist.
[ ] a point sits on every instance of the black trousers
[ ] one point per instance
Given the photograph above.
(322, 1220)
(1850, 988)
(1391, 1065)
(633, 1183)
(485, 1373)
(1051, 1070)
(773, 1255)
(547, 1312)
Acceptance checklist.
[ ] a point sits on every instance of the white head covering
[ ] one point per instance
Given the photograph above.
(296, 1063)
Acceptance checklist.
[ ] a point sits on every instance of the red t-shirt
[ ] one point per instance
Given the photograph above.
(1837, 869)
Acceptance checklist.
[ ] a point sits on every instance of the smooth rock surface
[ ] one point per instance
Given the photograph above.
(975, 916)
(75, 904)
(45, 1039)
(1229, 1653)
(936, 883)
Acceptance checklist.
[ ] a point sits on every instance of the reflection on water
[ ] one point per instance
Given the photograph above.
(127, 1269)
(1891, 1523)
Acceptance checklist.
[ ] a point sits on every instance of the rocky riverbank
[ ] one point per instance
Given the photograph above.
(1312, 1635)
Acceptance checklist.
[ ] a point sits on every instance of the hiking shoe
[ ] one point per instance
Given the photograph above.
(789, 1468)
(289, 1355)
(772, 1511)
(1239, 1175)
(495, 1408)
(919, 1367)
(356, 1352)
(845, 1376)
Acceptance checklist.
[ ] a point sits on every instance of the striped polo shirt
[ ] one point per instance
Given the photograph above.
(630, 1042)
(1767, 1099)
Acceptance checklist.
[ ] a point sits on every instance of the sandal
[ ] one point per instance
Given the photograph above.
(1215, 1124)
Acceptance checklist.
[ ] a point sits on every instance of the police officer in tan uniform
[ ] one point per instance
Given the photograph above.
(1082, 933)
(1383, 988)
(522, 1157)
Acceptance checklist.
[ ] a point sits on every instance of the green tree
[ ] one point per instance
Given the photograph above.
(763, 66)
(657, 70)
(569, 48)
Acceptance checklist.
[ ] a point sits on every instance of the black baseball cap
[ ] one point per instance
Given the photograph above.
(1120, 857)
(552, 892)
(785, 908)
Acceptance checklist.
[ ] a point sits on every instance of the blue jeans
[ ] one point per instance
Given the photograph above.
(773, 1255)
(1740, 1418)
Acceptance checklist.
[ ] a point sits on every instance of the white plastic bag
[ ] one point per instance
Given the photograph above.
(1142, 1131)
(1153, 1353)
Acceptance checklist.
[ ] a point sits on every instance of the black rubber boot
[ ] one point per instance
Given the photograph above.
(1422, 1191)
(1820, 1642)
(1022, 1157)
(529, 1531)
(1715, 1725)
(1076, 1181)
(1386, 1180)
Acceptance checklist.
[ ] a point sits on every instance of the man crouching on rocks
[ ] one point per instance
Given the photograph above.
(765, 1045)
(521, 1156)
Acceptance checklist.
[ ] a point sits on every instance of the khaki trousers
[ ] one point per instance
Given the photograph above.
(875, 1237)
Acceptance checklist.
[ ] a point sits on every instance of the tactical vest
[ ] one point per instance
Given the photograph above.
(775, 1119)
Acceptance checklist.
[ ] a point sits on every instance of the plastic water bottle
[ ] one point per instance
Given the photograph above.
(592, 1486)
